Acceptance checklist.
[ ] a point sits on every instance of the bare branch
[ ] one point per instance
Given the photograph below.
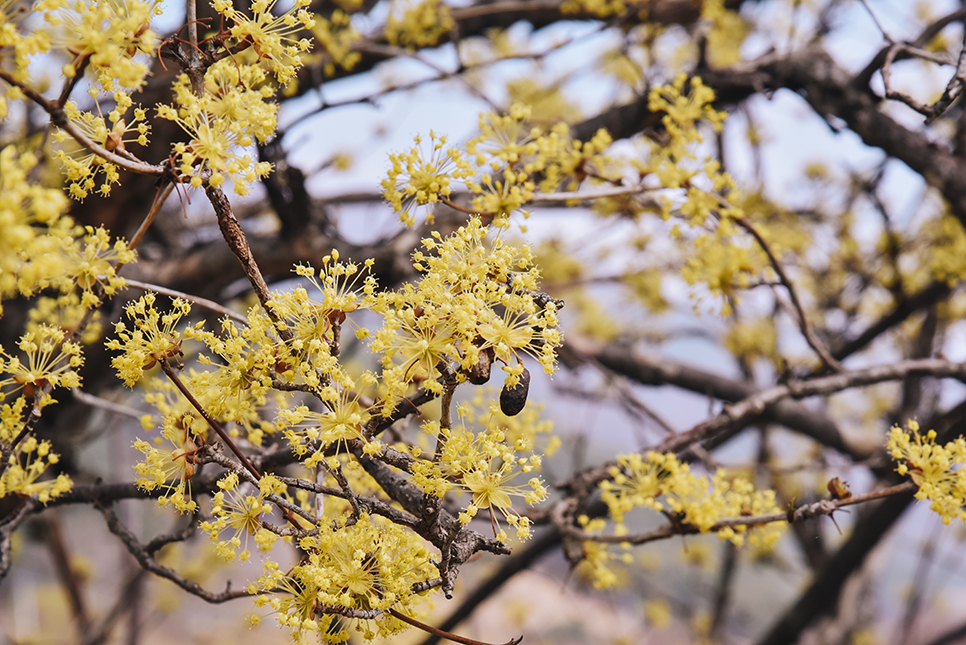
(807, 331)
(148, 562)
(804, 512)
(202, 302)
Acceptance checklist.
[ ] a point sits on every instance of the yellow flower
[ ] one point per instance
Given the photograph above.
(170, 469)
(51, 359)
(421, 25)
(418, 178)
(108, 34)
(368, 565)
(937, 470)
(661, 482)
(82, 166)
(234, 510)
(148, 342)
(25, 468)
(214, 145)
(271, 36)
(336, 35)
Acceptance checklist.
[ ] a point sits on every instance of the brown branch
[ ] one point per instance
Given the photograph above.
(521, 560)
(810, 337)
(927, 34)
(933, 293)
(201, 302)
(804, 512)
(100, 632)
(641, 368)
(10, 524)
(740, 414)
(743, 412)
(171, 374)
(826, 586)
(148, 562)
(953, 89)
(159, 199)
(232, 231)
(60, 554)
(58, 118)
(429, 629)
(372, 505)
(390, 51)
(464, 209)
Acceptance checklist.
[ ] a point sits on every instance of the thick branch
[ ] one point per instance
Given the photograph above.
(648, 370)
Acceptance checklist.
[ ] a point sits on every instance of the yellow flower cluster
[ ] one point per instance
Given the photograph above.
(367, 566)
(682, 108)
(51, 359)
(421, 25)
(947, 250)
(81, 166)
(236, 386)
(344, 420)
(417, 179)
(661, 482)
(220, 124)
(23, 43)
(233, 509)
(106, 35)
(336, 36)
(726, 33)
(938, 471)
(474, 305)
(312, 322)
(147, 343)
(65, 312)
(171, 468)
(271, 36)
(752, 339)
(597, 559)
(723, 266)
(26, 466)
(485, 464)
(471, 299)
(599, 8)
(511, 161)
(234, 108)
(34, 228)
(525, 432)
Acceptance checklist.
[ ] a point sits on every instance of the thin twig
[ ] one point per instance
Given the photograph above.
(198, 300)
(159, 200)
(587, 195)
(429, 629)
(207, 417)
(148, 563)
(401, 52)
(885, 34)
(191, 11)
(804, 512)
(807, 330)
(98, 402)
(743, 412)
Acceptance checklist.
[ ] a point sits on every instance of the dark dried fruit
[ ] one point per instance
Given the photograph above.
(480, 373)
(838, 489)
(512, 399)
